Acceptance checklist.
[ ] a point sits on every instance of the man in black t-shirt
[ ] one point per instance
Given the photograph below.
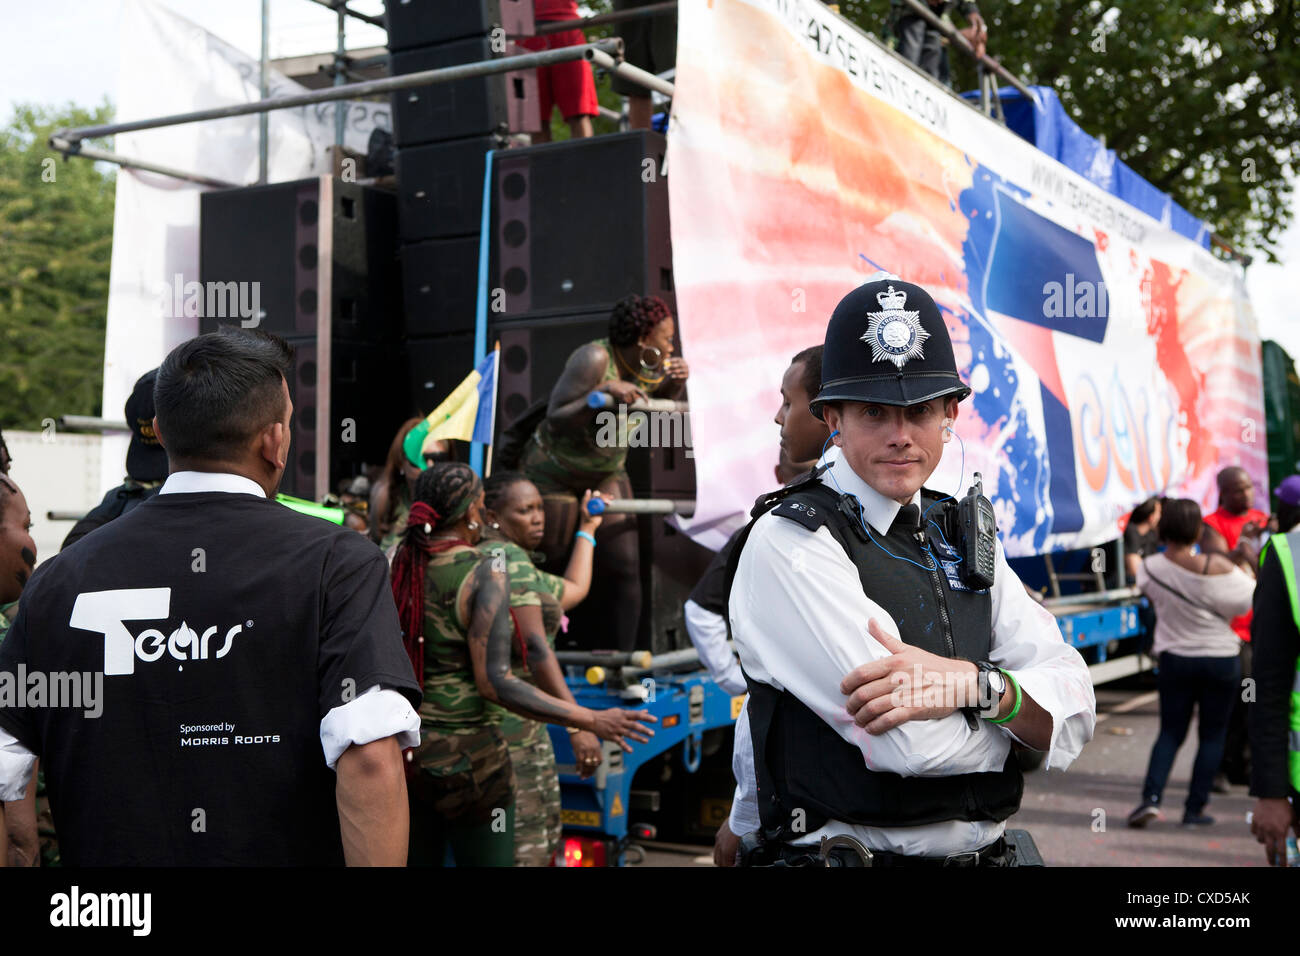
(234, 689)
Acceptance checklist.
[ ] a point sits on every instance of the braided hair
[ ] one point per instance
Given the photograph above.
(496, 490)
(633, 318)
(443, 494)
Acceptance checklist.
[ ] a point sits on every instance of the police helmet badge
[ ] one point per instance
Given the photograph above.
(895, 333)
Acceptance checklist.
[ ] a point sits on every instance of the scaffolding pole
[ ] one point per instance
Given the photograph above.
(607, 53)
(630, 72)
(340, 64)
(263, 121)
(618, 16)
(68, 148)
(342, 9)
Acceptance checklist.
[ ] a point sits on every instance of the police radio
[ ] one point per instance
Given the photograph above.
(978, 528)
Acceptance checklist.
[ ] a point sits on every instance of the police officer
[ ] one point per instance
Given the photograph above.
(888, 677)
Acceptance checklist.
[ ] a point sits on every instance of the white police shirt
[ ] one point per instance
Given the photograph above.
(799, 620)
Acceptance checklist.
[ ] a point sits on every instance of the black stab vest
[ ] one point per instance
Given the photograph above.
(807, 773)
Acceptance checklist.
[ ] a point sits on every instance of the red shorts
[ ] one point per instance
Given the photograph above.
(570, 86)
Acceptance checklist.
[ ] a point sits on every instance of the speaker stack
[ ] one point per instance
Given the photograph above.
(321, 256)
(576, 226)
(442, 135)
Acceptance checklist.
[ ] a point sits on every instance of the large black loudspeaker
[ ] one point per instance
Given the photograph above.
(436, 364)
(273, 235)
(323, 255)
(581, 223)
(500, 103)
(416, 23)
(440, 285)
(441, 188)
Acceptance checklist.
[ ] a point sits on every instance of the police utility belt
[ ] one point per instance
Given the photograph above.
(807, 775)
(1014, 848)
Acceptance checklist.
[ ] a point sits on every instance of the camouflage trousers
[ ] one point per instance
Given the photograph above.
(462, 795)
(537, 791)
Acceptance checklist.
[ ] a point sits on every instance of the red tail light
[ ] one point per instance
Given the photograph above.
(581, 851)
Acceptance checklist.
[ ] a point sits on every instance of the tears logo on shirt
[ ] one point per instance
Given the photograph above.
(105, 612)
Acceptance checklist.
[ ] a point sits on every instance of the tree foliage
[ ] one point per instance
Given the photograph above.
(1199, 99)
(56, 236)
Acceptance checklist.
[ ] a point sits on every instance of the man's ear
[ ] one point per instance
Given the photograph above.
(158, 434)
(271, 445)
(831, 416)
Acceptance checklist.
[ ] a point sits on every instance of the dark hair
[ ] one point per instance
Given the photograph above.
(5, 453)
(1143, 511)
(1180, 521)
(216, 391)
(8, 489)
(449, 488)
(397, 459)
(634, 316)
(1288, 516)
(497, 488)
(811, 379)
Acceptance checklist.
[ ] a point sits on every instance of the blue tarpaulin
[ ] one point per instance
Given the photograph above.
(1045, 123)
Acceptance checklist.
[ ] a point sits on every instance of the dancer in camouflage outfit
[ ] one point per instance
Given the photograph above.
(538, 601)
(453, 604)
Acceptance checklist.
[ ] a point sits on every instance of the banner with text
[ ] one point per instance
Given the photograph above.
(1111, 358)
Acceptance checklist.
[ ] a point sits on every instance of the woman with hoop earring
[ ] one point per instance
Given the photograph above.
(576, 447)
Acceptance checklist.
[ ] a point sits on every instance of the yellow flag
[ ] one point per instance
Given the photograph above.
(454, 418)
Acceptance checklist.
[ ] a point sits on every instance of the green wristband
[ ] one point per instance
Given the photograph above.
(1014, 710)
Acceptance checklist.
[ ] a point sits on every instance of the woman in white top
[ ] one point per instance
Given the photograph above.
(1195, 596)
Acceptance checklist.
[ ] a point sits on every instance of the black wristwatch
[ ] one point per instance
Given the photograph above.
(990, 685)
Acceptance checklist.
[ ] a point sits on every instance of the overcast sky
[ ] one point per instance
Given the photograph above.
(56, 51)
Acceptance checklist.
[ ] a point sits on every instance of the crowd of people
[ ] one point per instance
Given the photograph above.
(475, 612)
(431, 657)
(1218, 598)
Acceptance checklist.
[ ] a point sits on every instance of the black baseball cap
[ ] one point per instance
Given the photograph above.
(146, 460)
(887, 343)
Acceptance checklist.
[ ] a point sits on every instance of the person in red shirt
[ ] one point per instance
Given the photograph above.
(1234, 530)
(570, 86)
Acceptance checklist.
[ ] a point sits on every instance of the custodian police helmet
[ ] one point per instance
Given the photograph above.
(887, 343)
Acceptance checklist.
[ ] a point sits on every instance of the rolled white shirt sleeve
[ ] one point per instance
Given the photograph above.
(799, 619)
(744, 804)
(375, 714)
(16, 765)
(1027, 643)
(708, 633)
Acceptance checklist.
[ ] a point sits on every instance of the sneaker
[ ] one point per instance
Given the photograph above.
(1197, 820)
(1221, 784)
(1144, 815)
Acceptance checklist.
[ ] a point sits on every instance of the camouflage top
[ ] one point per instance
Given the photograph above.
(529, 586)
(401, 509)
(577, 452)
(451, 698)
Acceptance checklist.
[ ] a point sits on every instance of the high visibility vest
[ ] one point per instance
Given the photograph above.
(1285, 543)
